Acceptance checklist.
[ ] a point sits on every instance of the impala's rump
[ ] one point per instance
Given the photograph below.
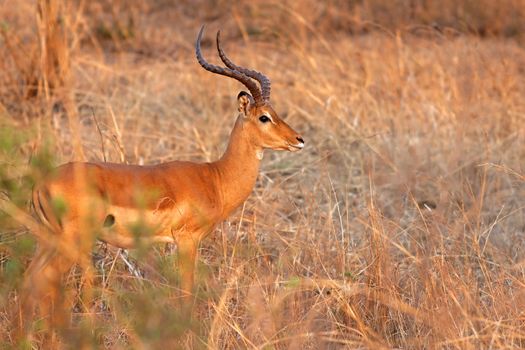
(43, 209)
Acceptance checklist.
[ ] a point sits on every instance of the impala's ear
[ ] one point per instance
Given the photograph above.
(245, 101)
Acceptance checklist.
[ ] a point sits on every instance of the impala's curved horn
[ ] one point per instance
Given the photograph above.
(261, 78)
(232, 73)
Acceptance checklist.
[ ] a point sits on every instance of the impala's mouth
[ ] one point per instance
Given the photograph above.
(297, 147)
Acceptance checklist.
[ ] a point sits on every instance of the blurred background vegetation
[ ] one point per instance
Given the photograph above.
(401, 224)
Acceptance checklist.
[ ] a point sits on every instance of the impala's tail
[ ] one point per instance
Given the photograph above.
(43, 209)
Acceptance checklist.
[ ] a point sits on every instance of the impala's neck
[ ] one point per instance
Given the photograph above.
(238, 168)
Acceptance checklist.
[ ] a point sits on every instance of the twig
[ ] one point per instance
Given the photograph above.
(101, 136)
(134, 270)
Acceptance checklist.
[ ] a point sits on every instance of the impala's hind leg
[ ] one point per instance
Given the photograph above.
(42, 294)
(43, 286)
(30, 291)
(187, 254)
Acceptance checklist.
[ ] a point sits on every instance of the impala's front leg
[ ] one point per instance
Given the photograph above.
(187, 248)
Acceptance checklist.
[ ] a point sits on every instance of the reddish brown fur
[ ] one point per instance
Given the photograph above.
(179, 201)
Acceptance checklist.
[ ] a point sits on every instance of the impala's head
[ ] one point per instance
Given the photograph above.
(260, 120)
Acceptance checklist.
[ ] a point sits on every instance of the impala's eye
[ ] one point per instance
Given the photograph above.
(264, 119)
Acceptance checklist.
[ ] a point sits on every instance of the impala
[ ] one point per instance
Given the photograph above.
(179, 201)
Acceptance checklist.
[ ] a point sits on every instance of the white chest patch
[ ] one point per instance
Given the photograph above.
(259, 154)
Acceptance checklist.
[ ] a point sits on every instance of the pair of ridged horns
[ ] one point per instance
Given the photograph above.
(244, 75)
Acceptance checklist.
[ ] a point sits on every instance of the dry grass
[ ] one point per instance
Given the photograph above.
(401, 224)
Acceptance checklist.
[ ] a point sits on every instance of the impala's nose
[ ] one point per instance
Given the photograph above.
(299, 145)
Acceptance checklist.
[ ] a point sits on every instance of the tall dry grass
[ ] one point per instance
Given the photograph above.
(401, 224)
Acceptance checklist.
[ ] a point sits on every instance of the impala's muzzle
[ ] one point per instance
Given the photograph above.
(297, 146)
